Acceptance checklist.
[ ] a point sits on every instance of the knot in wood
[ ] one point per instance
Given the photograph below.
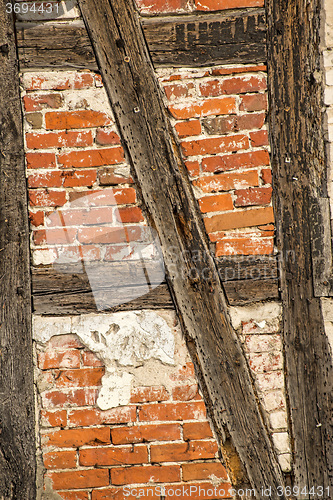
(4, 49)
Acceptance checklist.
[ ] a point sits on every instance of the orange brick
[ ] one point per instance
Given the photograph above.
(143, 433)
(246, 218)
(47, 198)
(266, 175)
(205, 470)
(235, 85)
(215, 145)
(173, 411)
(106, 197)
(74, 495)
(227, 4)
(73, 397)
(90, 359)
(235, 161)
(92, 158)
(216, 203)
(64, 236)
(60, 460)
(197, 430)
(185, 392)
(129, 214)
(73, 438)
(65, 120)
(79, 479)
(253, 196)
(40, 160)
(80, 217)
(217, 106)
(146, 394)
(50, 178)
(41, 101)
(92, 416)
(36, 218)
(53, 418)
(244, 246)
(56, 359)
(110, 177)
(226, 182)
(186, 129)
(84, 377)
(199, 491)
(117, 493)
(184, 373)
(140, 475)
(254, 102)
(77, 253)
(48, 83)
(240, 69)
(160, 6)
(68, 341)
(259, 138)
(107, 137)
(115, 455)
(77, 178)
(59, 140)
(193, 167)
(83, 80)
(102, 235)
(174, 452)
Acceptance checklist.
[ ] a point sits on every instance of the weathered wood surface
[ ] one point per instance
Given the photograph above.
(174, 41)
(151, 149)
(17, 422)
(68, 290)
(299, 171)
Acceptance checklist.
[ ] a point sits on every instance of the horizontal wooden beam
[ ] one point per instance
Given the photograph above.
(196, 40)
(68, 290)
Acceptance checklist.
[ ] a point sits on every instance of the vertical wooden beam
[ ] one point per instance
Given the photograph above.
(151, 148)
(299, 184)
(17, 420)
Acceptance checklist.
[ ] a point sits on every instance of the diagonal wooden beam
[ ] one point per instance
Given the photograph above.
(300, 196)
(150, 145)
(17, 420)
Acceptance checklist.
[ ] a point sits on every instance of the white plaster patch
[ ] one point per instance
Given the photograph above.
(116, 390)
(254, 312)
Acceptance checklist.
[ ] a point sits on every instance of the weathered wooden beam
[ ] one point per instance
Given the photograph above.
(299, 181)
(17, 420)
(173, 41)
(151, 149)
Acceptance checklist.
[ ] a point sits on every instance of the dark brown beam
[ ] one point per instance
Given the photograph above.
(299, 194)
(200, 40)
(150, 147)
(17, 419)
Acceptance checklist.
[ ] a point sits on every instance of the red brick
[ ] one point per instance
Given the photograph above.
(80, 217)
(197, 430)
(68, 341)
(186, 129)
(74, 495)
(244, 218)
(64, 120)
(83, 80)
(92, 158)
(240, 69)
(102, 235)
(90, 359)
(151, 473)
(244, 246)
(74, 438)
(217, 106)
(215, 145)
(185, 392)
(80, 252)
(235, 161)
(174, 452)
(266, 175)
(216, 203)
(143, 433)
(172, 411)
(205, 470)
(50, 178)
(259, 138)
(53, 418)
(160, 6)
(250, 121)
(84, 377)
(56, 359)
(129, 214)
(253, 196)
(184, 373)
(193, 167)
(76, 178)
(226, 182)
(60, 460)
(115, 455)
(117, 493)
(106, 197)
(79, 479)
(199, 491)
(40, 101)
(48, 82)
(64, 236)
(235, 85)
(110, 177)
(93, 416)
(178, 90)
(227, 4)
(47, 198)
(36, 218)
(73, 397)
(40, 160)
(147, 394)
(59, 139)
(254, 102)
(107, 137)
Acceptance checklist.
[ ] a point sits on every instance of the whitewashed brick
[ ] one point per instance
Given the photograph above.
(278, 420)
(328, 95)
(274, 400)
(281, 442)
(285, 462)
(263, 343)
(266, 362)
(270, 381)
(329, 77)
